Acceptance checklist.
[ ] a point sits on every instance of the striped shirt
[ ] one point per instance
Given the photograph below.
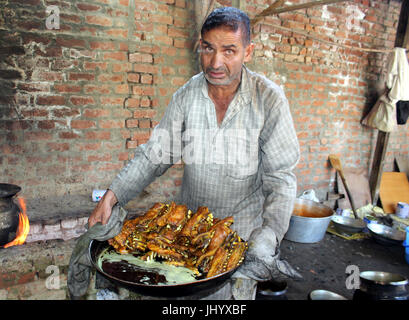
(240, 167)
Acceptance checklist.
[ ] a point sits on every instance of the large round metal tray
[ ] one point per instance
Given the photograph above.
(162, 290)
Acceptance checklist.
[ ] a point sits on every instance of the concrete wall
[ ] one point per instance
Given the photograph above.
(77, 100)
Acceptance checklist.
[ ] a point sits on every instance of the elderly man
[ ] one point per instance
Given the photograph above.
(234, 132)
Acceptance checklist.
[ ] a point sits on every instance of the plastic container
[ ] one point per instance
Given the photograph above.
(97, 195)
(402, 210)
(406, 244)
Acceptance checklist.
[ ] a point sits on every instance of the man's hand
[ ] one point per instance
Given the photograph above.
(103, 210)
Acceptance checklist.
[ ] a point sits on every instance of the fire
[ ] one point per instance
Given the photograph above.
(23, 226)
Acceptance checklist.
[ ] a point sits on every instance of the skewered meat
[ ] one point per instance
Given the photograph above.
(171, 232)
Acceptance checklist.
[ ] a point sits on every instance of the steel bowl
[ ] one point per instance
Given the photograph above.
(379, 285)
(325, 295)
(309, 221)
(386, 235)
(347, 225)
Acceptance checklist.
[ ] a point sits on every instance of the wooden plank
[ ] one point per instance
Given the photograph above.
(402, 163)
(357, 181)
(377, 164)
(394, 188)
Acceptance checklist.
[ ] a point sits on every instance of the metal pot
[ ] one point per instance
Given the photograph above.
(202, 285)
(378, 285)
(348, 225)
(309, 221)
(9, 212)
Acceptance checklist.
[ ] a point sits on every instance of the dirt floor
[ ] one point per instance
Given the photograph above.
(323, 265)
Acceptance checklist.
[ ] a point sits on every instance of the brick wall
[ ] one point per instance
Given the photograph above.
(77, 100)
(330, 88)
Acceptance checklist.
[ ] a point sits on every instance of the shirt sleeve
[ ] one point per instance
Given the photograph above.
(153, 158)
(280, 154)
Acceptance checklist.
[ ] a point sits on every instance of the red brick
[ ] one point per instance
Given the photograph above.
(145, 68)
(55, 146)
(143, 91)
(111, 78)
(145, 102)
(34, 87)
(121, 56)
(140, 57)
(111, 124)
(109, 101)
(144, 124)
(96, 113)
(88, 7)
(82, 124)
(99, 157)
(165, 19)
(70, 42)
(67, 88)
(68, 135)
(80, 101)
(65, 112)
(178, 33)
(102, 89)
(122, 89)
(146, 79)
(38, 136)
(132, 103)
(99, 20)
(133, 77)
(98, 135)
(46, 124)
(94, 65)
(88, 146)
(144, 113)
(132, 123)
(103, 45)
(51, 100)
(131, 144)
(117, 33)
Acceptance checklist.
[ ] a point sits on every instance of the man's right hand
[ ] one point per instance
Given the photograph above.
(103, 210)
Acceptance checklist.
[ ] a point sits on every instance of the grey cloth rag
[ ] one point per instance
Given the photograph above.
(262, 262)
(80, 266)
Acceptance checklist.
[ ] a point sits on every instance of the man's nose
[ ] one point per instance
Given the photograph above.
(217, 60)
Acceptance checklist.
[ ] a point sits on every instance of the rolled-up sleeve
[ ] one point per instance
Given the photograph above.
(280, 154)
(153, 158)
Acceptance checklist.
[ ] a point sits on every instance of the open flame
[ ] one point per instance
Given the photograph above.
(23, 226)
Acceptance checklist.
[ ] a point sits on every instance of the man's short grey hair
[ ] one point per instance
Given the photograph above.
(229, 17)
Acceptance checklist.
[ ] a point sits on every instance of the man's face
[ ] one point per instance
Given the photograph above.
(222, 55)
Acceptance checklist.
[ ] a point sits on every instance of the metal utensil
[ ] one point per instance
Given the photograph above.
(379, 285)
(309, 221)
(386, 235)
(336, 164)
(325, 295)
(170, 290)
(347, 224)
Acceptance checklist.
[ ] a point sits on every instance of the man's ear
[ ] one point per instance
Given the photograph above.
(248, 52)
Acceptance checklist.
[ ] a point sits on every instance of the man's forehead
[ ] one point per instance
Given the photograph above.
(223, 36)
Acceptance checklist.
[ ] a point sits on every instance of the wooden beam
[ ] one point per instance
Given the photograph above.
(276, 8)
(402, 41)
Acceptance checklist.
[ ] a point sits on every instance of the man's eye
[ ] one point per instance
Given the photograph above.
(207, 49)
(229, 52)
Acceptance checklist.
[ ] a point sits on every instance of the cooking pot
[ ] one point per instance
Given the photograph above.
(9, 212)
(378, 285)
(160, 290)
(309, 221)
